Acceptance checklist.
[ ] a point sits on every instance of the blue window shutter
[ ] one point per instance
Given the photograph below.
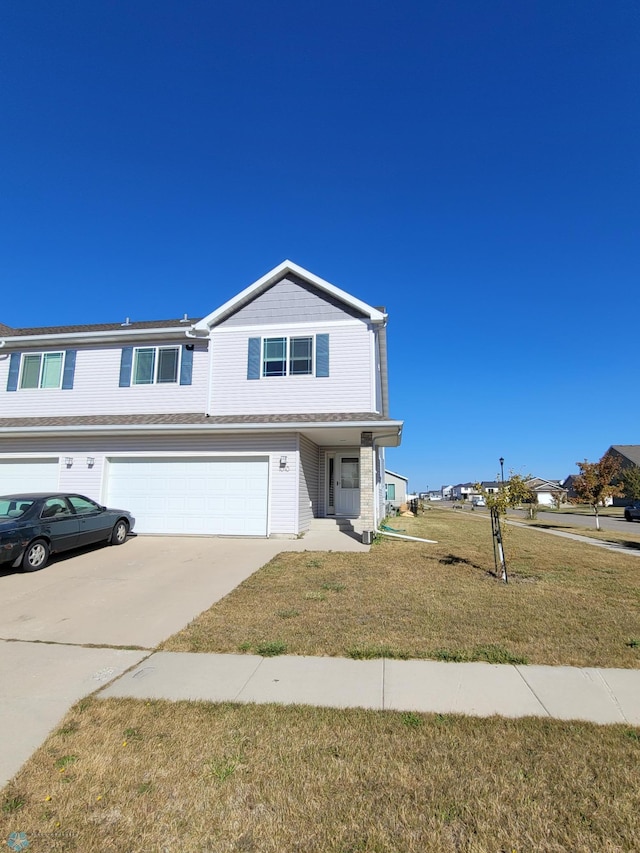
(322, 355)
(186, 366)
(253, 362)
(125, 366)
(14, 372)
(69, 369)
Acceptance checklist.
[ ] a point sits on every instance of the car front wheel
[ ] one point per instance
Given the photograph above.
(36, 556)
(119, 533)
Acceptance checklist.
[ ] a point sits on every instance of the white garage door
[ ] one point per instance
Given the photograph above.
(215, 496)
(28, 475)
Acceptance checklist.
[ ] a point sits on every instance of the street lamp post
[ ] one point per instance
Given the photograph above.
(501, 460)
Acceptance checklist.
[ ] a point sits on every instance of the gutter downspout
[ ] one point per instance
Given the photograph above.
(190, 333)
(400, 536)
(377, 520)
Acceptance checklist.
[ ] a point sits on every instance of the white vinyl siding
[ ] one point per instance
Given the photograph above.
(96, 389)
(309, 479)
(348, 388)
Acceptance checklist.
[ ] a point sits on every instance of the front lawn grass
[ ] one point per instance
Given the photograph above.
(566, 603)
(159, 776)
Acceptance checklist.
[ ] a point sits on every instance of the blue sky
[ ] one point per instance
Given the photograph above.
(474, 167)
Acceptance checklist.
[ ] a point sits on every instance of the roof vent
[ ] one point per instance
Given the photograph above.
(127, 322)
(185, 319)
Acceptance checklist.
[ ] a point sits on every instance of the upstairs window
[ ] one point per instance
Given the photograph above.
(287, 356)
(282, 356)
(274, 357)
(42, 370)
(301, 356)
(155, 365)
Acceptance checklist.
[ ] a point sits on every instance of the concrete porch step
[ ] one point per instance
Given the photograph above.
(343, 524)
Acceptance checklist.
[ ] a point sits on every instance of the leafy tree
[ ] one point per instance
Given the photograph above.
(558, 496)
(511, 494)
(630, 480)
(597, 482)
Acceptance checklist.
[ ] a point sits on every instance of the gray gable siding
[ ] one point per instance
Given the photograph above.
(291, 300)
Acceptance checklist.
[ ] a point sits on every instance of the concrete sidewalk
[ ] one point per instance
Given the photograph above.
(39, 682)
(479, 689)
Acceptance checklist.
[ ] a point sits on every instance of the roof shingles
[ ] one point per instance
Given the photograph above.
(189, 418)
(96, 327)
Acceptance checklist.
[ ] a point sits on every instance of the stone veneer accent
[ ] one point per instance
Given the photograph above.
(367, 496)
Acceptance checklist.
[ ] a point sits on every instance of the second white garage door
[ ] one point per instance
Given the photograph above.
(210, 495)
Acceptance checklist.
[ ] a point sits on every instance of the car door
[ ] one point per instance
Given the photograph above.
(95, 524)
(59, 523)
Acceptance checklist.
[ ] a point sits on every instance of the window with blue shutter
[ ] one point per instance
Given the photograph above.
(69, 369)
(322, 355)
(14, 372)
(126, 360)
(253, 358)
(186, 365)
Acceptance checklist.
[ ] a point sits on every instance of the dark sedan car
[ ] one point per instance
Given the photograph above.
(34, 525)
(632, 513)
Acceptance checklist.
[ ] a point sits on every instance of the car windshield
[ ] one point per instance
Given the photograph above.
(14, 507)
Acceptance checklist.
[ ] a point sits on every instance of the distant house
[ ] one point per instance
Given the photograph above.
(463, 491)
(545, 490)
(629, 456)
(491, 487)
(446, 492)
(395, 488)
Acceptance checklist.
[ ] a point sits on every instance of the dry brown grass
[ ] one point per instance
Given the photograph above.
(229, 778)
(567, 603)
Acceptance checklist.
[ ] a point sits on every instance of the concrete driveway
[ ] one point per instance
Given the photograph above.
(136, 594)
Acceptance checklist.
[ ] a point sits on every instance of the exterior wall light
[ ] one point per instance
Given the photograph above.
(283, 462)
(90, 461)
(68, 461)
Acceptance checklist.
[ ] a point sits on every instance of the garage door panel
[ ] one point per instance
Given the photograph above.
(29, 475)
(193, 495)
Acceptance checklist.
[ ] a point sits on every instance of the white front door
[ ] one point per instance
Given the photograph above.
(347, 485)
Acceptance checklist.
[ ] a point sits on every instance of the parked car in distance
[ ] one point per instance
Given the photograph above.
(37, 524)
(632, 513)
(478, 502)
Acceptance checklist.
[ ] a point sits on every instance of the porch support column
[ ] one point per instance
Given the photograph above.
(367, 487)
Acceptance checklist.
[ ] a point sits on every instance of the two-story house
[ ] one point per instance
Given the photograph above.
(269, 411)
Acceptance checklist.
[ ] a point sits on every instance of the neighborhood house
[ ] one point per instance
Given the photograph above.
(251, 421)
(396, 488)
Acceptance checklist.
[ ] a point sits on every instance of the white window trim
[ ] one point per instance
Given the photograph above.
(156, 366)
(39, 387)
(288, 339)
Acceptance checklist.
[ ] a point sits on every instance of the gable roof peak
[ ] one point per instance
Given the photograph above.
(273, 277)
